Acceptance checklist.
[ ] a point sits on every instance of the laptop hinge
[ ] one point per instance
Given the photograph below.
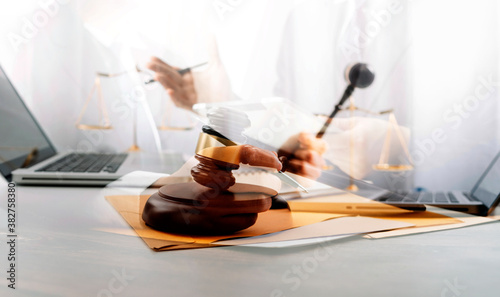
(471, 197)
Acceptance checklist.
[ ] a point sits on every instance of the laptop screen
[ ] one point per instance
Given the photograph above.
(488, 188)
(22, 142)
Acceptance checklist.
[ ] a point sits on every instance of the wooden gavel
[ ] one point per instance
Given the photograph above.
(206, 206)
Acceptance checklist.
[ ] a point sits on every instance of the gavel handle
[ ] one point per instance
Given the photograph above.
(347, 93)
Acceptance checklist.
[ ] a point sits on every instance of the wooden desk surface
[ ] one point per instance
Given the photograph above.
(60, 253)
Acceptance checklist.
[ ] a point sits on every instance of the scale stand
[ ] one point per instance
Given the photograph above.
(351, 187)
(383, 164)
(103, 122)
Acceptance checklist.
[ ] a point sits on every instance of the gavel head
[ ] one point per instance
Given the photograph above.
(359, 75)
(216, 163)
(226, 128)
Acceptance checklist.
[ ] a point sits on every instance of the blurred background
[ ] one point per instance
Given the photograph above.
(436, 64)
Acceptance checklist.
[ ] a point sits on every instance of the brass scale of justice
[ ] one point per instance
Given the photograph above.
(358, 75)
(104, 122)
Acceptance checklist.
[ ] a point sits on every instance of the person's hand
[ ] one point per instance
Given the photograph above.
(303, 152)
(179, 87)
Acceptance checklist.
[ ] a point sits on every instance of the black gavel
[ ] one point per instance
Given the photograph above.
(359, 76)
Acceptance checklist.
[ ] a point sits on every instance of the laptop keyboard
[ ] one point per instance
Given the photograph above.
(92, 163)
(419, 197)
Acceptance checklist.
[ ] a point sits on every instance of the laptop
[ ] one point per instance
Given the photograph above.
(27, 155)
(480, 200)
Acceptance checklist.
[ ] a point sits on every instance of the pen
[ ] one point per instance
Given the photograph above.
(181, 71)
(293, 182)
(227, 142)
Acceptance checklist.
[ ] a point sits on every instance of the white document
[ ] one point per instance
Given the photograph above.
(335, 227)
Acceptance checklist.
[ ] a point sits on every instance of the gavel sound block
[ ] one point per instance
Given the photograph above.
(214, 203)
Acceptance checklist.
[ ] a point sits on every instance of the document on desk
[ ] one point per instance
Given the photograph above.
(310, 219)
(343, 202)
(298, 225)
(433, 219)
(338, 227)
(460, 220)
(130, 208)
